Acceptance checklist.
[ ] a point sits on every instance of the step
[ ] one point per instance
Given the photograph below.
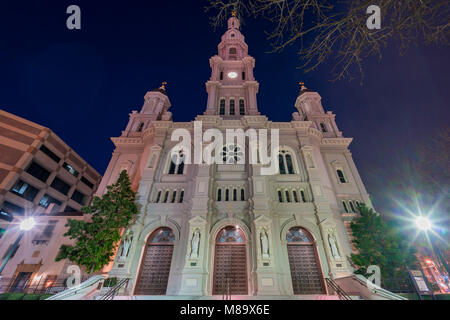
(296, 297)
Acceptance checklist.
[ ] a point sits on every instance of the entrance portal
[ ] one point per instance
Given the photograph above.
(304, 263)
(155, 264)
(230, 263)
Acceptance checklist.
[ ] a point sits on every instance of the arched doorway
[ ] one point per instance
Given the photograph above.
(230, 262)
(304, 262)
(155, 265)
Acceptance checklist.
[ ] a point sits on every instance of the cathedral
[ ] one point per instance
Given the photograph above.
(207, 230)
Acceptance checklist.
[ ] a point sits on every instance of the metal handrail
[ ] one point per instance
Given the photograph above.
(340, 292)
(113, 292)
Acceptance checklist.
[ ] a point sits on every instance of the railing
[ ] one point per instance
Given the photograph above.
(114, 290)
(46, 286)
(341, 293)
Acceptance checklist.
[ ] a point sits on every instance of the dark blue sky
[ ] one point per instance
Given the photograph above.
(83, 84)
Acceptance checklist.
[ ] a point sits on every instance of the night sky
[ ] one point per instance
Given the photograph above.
(83, 84)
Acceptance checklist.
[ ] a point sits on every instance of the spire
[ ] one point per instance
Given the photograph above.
(233, 22)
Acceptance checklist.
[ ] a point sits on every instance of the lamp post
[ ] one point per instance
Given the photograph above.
(25, 225)
(424, 224)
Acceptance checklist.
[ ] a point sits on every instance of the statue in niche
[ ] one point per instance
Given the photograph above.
(126, 243)
(333, 246)
(195, 244)
(264, 244)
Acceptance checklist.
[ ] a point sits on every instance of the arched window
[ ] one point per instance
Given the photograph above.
(221, 75)
(241, 107)
(181, 196)
(162, 235)
(219, 195)
(295, 195)
(232, 107)
(288, 197)
(242, 194)
(227, 194)
(243, 75)
(280, 196)
(222, 107)
(140, 127)
(345, 206)
(166, 196)
(234, 194)
(158, 197)
(285, 162)
(352, 207)
(323, 127)
(341, 176)
(358, 205)
(302, 194)
(297, 234)
(176, 165)
(174, 196)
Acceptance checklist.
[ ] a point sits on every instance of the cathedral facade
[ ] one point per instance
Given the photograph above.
(216, 229)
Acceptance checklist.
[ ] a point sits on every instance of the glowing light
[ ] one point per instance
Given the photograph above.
(232, 75)
(27, 224)
(423, 223)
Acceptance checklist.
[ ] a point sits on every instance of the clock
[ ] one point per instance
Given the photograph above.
(232, 75)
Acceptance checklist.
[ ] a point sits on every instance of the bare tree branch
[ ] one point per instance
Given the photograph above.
(337, 30)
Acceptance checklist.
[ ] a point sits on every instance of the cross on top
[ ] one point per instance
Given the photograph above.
(163, 86)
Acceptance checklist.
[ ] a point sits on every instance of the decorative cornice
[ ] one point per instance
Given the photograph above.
(126, 140)
(336, 141)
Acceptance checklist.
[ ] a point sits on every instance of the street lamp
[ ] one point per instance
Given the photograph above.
(25, 225)
(423, 223)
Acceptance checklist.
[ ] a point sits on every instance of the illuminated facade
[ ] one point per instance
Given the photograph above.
(206, 230)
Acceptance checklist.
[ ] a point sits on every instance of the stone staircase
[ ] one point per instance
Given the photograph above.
(193, 298)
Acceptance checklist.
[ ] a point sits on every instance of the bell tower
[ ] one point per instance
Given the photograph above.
(232, 87)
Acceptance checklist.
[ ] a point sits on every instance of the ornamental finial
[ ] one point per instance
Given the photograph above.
(302, 85)
(163, 85)
(233, 13)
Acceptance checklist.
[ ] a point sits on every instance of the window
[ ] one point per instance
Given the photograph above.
(47, 200)
(158, 197)
(69, 168)
(280, 196)
(174, 196)
(50, 154)
(87, 182)
(219, 195)
(288, 197)
(243, 75)
(286, 165)
(358, 205)
(8, 211)
(2, 232)
(232, 50)
(232, 107)
(25, 190)
(302, 194)
(242, 194)
(140, 127)
(222, 107)
(166, 196)
(221, 75)
(181, 196)
(60, 186)
(295, 195)
(345, 206)
(38, 172)
(78, 197)
(49, 228)
(227, 195)
(323, 127)
(69, 209)
(241, 107)
(341, 176)
(234, 195)
(177, 163)
(352, 207)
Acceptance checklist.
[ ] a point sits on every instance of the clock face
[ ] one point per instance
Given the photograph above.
(232, 75)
